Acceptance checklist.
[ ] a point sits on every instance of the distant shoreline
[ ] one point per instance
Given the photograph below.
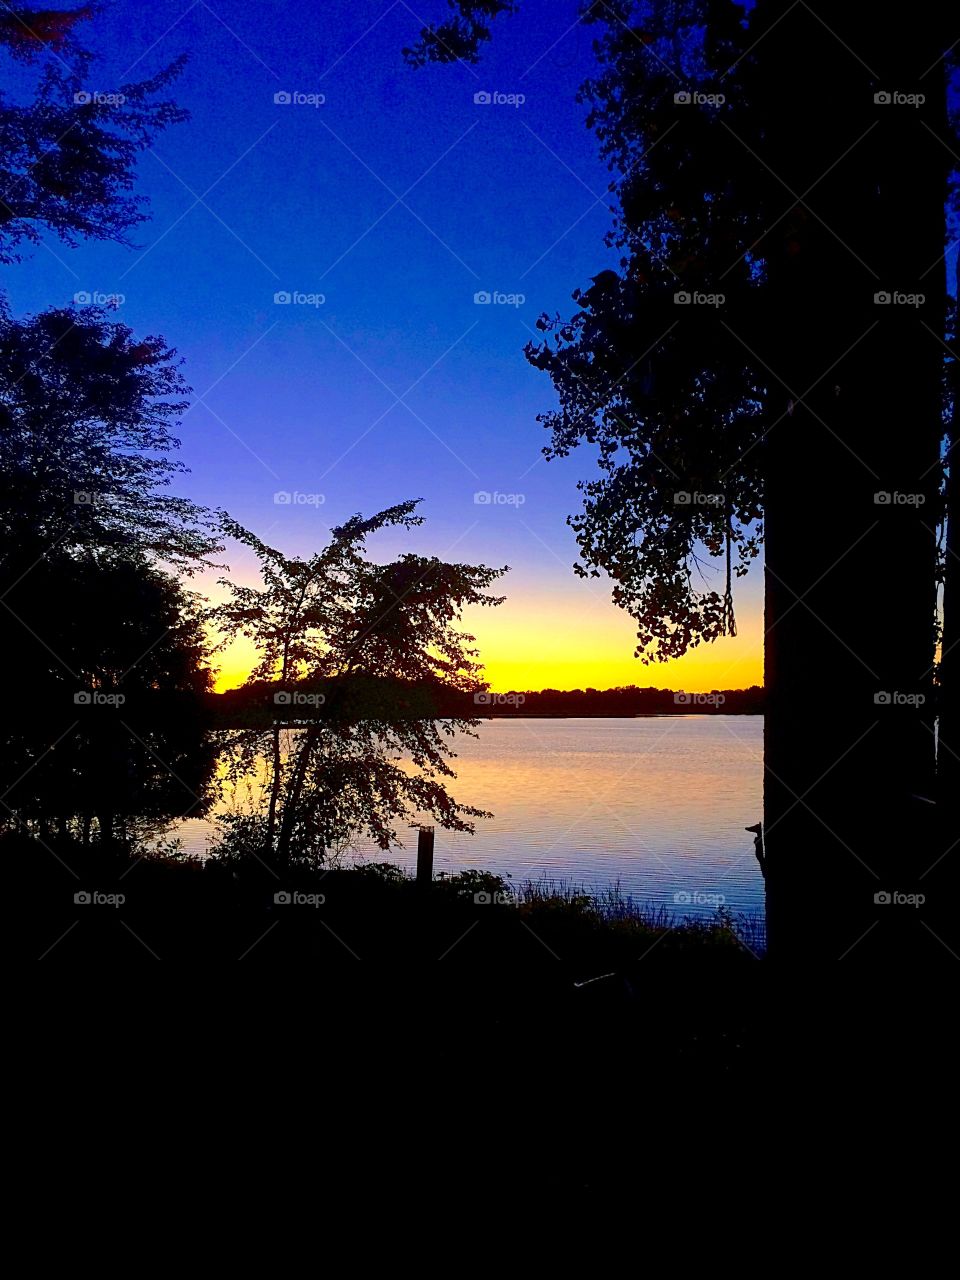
(305, 701)
(611, 715)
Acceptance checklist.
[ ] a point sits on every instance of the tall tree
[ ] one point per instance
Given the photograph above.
(92, 625)
(104, 726)
(358, 655)
(784, 389)
(85, 406)
(68, 156)
(948, 754)
(86, 409)
(857, 400)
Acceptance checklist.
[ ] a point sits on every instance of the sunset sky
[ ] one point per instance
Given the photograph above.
(398, 199)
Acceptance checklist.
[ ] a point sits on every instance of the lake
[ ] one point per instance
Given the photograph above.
(657, 804)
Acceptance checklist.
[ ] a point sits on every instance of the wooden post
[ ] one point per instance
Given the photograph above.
(425, 857)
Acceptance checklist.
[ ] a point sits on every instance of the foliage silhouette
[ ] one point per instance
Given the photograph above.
(106, 732)
(367, 635)
(67, 159)
(86, 409)
(739, 353)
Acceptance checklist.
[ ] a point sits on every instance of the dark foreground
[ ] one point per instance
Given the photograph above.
(427, 1046)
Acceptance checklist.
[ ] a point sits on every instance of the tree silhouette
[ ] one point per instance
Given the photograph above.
(85, 414)
(661, 385)
(857, 403)
(104, 719)
(749, 359)
(357, 646)
(460, 37)
(105, 653)
(948, 753)
(27, 32)
(67, 159)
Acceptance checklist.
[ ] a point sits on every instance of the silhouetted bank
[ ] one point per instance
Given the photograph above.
(313, 700)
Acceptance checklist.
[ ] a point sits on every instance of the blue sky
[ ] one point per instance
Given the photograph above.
(397, 199)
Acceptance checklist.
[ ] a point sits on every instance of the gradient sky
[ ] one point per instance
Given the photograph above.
(397, 199)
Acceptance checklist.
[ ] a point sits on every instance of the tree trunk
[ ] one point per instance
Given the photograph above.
(948, 747)
(849, 595)
(294, 792)
(275, 786)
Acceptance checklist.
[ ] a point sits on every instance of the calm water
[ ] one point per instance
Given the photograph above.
(659, 805)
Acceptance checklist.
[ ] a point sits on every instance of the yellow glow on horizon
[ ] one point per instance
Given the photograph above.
(534, 643)
(235, 664)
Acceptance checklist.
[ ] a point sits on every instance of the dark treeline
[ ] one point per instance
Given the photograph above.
(265, 702)
(628, 700)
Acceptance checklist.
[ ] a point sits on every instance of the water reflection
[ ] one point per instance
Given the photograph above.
(659, 805)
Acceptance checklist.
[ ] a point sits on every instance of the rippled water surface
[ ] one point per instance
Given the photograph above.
(658, 804)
